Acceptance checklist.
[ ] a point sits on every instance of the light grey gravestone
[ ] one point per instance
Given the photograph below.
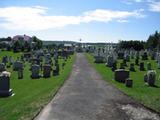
(121, 75)
(5, 85)
(47, 71)
(151, 77)
(35, 71)
(2, 67)
(110, 61)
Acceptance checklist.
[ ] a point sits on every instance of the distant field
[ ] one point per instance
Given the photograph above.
(149, 96)
(30, 95)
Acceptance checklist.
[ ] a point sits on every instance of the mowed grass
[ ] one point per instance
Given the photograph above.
(30, 95)
(148, 96)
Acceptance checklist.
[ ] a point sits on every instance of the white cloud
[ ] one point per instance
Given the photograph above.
(129, 2)
(36, 18)
(154, 6)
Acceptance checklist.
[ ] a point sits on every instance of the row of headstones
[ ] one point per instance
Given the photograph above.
(122, 76)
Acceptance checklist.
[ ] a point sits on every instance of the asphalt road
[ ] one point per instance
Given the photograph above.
(85, 96)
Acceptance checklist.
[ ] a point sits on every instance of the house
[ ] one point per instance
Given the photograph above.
(22, 38)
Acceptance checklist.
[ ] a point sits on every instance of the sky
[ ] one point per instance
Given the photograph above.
(88, 20)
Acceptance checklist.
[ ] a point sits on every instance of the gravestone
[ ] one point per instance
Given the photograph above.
(35, 71)
(2, 67)
(121, 75)
(120, 55)
(137, 61)
(110, 61)
(46, 71)
(144, 56)
(17, 65)
(129, 82)
(114, 66)
(132, 67)
(5, 85)
(141, 66)
(151, 77)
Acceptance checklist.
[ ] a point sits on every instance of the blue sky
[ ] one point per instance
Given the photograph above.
(90, 20)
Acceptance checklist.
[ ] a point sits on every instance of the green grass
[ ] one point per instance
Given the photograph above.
(30, 95)
(148, 96)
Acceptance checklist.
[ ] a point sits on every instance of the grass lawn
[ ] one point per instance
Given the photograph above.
(149, 96)
(30, 95)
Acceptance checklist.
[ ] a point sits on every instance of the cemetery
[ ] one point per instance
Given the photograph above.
(80, 60)
(31, 79)
(136, 73)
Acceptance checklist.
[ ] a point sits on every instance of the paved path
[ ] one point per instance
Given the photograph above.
(85, 96)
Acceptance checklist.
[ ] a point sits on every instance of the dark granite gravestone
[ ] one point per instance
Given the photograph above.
(17, 65)
(141, 66)
(5, 86)
(114, 66)
(47, 71)
(35, 71)
(132, 67)
(121, 75)
(120, 55)
(129, 82)
(2, 67)
(145, 56)
(137, 61)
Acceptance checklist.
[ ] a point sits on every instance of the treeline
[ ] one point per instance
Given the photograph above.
(153, 43)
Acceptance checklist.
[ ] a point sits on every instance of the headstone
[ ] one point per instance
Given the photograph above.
(137, 61)
(121, 75)
(17, 65)
(2, 67)
(151, 74)
(46, 71)
(141, 66)
(145, 56)
(129, 82)
(132, 67)
(5, 85)
(35, 71)
(114, 66)
(110, 61)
